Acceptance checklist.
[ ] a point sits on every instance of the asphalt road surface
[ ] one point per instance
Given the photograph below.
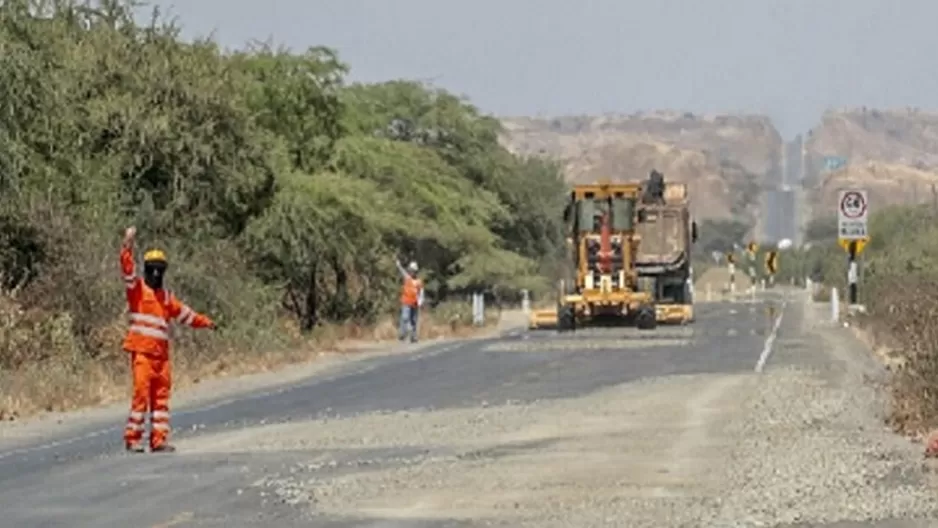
(253, 460)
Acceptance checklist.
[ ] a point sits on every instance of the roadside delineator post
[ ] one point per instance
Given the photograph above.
(478, 309)
(835, 306)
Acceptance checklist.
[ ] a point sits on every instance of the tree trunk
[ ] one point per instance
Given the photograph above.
(311, 309)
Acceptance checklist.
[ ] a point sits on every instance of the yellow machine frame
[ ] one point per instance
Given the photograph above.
(621, 302)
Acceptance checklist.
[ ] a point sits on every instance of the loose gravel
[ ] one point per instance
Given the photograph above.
(799, 443)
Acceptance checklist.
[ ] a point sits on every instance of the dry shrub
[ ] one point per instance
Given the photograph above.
(903, 311)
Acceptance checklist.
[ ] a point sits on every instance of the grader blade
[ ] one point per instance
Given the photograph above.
(674, 313)
(543, 319)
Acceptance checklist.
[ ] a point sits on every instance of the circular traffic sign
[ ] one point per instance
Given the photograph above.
(853, 205)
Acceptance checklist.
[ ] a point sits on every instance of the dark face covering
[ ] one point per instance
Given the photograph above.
(153, 275)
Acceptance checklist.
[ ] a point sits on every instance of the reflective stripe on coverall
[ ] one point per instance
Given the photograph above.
(147, 342)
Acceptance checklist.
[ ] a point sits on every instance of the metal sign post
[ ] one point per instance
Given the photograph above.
(852, 234)
(751, 249)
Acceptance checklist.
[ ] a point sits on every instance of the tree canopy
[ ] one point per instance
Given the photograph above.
(277, 187)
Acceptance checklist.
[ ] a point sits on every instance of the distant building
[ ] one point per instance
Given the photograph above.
(832, 163)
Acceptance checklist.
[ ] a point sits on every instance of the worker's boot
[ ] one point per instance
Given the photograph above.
(134, 447)
(163, 448)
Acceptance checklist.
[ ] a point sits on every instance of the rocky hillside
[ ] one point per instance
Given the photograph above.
(906, 136)
(724, 158)
(891, 153)
(886, 183)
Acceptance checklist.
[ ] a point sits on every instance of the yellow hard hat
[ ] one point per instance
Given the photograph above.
(155, 255)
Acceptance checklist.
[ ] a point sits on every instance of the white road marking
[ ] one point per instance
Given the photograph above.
(770, 340)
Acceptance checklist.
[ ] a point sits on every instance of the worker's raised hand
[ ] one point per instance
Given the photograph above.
(129, 235)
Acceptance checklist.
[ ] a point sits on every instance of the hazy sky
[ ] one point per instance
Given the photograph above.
(790, 59)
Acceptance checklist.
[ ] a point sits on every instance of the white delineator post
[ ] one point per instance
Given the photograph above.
(478, 309)
(835, 306)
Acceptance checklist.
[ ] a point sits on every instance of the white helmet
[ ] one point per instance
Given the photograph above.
(412, 267)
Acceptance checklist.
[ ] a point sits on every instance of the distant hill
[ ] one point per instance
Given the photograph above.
(724, 159)
(892, 153)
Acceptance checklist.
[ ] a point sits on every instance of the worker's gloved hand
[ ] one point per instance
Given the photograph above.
(129, 235)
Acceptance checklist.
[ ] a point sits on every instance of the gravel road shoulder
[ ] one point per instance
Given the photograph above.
(801, 442)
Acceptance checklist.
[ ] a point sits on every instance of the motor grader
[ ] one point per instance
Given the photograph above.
(601, 287)
(663, 261)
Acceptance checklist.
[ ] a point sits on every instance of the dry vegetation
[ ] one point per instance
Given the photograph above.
(281, 193)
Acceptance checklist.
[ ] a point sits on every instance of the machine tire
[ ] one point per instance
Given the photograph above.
(646, 318)
(566, 319)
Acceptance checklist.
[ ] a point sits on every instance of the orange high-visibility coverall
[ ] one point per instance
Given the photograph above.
(147, 342)
(410, 291)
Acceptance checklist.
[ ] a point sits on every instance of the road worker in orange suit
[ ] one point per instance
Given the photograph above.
(151, 310)
(411, 300)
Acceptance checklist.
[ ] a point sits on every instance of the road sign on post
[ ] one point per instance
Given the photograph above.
(852, 211)
(771, 262)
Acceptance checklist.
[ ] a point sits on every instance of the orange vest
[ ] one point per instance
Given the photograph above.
(151, 312)
(410, 292)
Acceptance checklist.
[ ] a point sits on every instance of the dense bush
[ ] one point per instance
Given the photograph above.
(282, 194)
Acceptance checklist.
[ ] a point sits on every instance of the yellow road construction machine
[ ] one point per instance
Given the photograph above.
(602, 283)
(664, 258)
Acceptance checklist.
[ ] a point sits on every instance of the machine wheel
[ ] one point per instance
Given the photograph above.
(566, 319)
(646, 319)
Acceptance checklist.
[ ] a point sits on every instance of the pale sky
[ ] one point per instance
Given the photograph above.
(788, 59)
